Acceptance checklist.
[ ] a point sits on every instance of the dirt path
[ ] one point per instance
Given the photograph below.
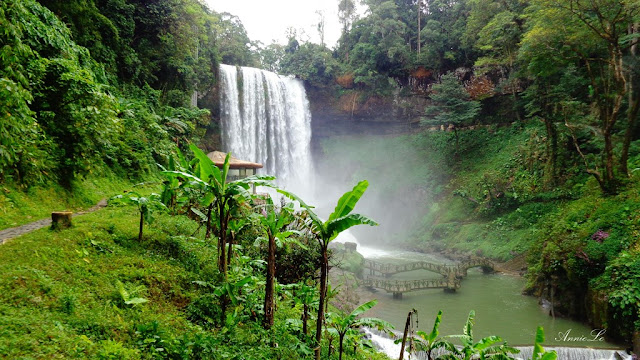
(7, 234)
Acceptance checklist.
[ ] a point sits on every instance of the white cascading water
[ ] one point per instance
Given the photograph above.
(266, 119)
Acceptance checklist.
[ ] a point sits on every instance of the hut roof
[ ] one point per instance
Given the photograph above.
(218, 159)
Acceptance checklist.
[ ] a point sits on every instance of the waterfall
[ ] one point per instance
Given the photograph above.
(266, 119)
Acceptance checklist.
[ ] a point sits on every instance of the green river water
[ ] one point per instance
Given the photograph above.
(497, 299)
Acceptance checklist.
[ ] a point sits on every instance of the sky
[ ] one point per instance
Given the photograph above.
(268, 20)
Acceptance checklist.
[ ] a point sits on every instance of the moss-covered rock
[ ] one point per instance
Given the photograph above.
(347, 259)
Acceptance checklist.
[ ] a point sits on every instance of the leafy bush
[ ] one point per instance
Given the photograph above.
(620, 278)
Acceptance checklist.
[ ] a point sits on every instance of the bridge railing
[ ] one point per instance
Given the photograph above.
(445, 270)
(409, 285)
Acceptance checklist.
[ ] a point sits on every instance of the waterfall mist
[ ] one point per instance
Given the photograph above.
(266, 119)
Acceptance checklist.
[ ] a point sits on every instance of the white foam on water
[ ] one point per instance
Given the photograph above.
(366, 251)
(384, 344)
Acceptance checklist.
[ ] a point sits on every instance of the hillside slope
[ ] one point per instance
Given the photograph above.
(488, 196)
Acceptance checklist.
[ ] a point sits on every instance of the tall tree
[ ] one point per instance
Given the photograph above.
(494, 30)
(442, 35)
(339, 220)
(452, 105)
(599, 35)
(346, 15)
(274, 222)
(320, 26)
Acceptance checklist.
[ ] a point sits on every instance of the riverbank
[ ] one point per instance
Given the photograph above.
(494, 297)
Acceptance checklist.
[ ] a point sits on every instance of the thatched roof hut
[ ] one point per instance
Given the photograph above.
(218, 159)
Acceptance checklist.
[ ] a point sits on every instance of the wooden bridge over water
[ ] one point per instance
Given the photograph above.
(458, 270)
(450, 281)
(397, 287)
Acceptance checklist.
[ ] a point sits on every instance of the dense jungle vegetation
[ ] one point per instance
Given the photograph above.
(559, 183)
(96, 95)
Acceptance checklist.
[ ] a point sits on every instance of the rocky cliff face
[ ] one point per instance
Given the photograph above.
(352, 112)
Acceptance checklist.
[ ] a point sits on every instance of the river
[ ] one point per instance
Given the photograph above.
(497, 299)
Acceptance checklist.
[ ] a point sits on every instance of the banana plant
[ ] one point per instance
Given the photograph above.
(306, 296)
(274, 223)
(431, 341)
(538, 351)
(172, 185)
(341, 325)
(340, 220)
(146, 206)
(231, 290)
(222, 199)
(490, 347)
(235, 227)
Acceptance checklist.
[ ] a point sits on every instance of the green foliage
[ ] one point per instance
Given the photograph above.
(146, 206)
(499, 36)
(488, 347)
(620, 279)
(443, 37)
(347, 323)
(231, 40)
(310, 62)
(430, 342)
(452, 104)
(538, 351)
(125, 296)
(64, 106)
(599, 46)
(376, 47)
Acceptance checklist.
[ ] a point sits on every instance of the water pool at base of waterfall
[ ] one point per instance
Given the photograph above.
(497, 299)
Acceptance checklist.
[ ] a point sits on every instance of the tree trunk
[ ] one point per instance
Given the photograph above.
(323, 293)
(229, 255)
(340, 350)
(552, 152)
(632, 115)
(404, 335)
(610, 181)
(419, 27)
(271, 273)
(305, 318)
(224, 219)
(208, 233)
(634, 101)
(141, 226)
(61, 220)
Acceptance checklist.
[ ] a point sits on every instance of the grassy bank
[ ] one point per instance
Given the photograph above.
(22, 206)
(94, 291)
